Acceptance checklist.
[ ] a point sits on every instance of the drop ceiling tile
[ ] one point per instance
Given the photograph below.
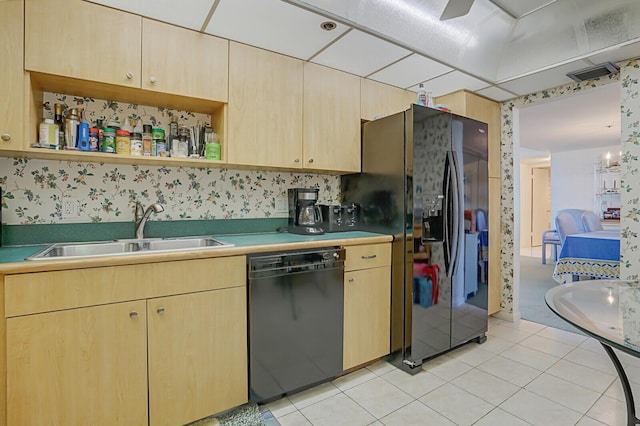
(451, 82)
(520, 7)
(544, 79)
(410, 71)
(273, 25)
(495, 93)
(616, 54)
(360, 53)
(185, 13)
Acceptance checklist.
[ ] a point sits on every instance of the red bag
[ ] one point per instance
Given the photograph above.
(432, 272)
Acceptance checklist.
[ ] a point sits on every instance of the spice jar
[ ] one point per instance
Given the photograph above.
(123, 142)
(136, 144)
(93, 138)
(109, 140)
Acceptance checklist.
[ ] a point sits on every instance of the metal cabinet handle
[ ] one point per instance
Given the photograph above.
(6, 137)
(297, 160)
(351, 280)
(311, 160)
(153, 79)
(133, 315)
(160, 311)
(373, 256)
(129, 75)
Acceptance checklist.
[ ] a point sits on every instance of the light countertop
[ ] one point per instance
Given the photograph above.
(12, 258)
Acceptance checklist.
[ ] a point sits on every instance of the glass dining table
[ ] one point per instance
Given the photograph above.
(608, 311)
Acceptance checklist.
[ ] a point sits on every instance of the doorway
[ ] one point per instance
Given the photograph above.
(535, 199)
(568, 127)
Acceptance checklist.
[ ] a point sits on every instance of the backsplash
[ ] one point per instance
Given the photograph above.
(34, 191)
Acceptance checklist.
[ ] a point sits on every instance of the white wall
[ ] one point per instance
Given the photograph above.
(573, 179)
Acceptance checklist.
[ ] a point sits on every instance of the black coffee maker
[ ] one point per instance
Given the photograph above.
(304, 214)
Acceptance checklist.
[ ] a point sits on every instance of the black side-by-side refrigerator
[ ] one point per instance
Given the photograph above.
(425, 181)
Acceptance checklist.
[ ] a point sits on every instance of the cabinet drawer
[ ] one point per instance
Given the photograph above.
(368, 256)
(51, 291)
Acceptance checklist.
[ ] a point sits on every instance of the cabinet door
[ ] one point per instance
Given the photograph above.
(184, 62)
(74, 38)
(265, 108)
(197, 355)
(367, 315)
(379, 99)
(78, 367)
(11, 83)
(331, 119)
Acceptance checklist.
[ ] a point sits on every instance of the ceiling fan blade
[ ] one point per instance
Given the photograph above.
(455, 9)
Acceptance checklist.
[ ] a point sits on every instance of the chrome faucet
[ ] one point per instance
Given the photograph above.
(142, 216)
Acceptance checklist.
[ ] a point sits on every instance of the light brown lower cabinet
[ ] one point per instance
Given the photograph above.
(165, 359)
(367, 304)
(78, 367)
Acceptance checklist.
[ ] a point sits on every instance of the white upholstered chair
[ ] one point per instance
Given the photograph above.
(591, 222)
(568, 223)
(553, 237)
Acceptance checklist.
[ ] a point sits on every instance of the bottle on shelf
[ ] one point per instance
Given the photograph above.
(71, 122)
(137, 126)
(83, 132)
(422, 95)
(127, 126)
(123, 142)
(109, 140)
(147, 141)
(212, 146)
(173, 133)
(430, 102)
(94, 139)
(48, 137)
(59, 120)
(158, 141)
(100, 127)
(136, 144)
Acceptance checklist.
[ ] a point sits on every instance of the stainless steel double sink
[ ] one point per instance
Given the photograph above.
(63, 251)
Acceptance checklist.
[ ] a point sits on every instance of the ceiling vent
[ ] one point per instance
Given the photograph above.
(593, 72)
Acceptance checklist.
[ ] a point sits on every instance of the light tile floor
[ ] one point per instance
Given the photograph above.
(525, 374)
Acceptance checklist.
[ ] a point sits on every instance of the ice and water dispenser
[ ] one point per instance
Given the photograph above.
(432, 219)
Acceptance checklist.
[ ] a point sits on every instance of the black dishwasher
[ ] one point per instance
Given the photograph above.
(296, 307)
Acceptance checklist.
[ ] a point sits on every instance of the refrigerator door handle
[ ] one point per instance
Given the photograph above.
(452, 180)
(457, 202)
(445, 216)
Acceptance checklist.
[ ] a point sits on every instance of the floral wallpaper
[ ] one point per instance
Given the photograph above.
(34, 190)
(118, 112)
(630, 170)
(509, 300)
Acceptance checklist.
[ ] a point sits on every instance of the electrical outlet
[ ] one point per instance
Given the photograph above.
(282, 205)
(69, 208)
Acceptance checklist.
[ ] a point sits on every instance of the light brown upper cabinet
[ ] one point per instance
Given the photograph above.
(265, 108)
(379, 99)
(331, 119)
(12, 80)
(76, 39)
(482, 109)
(184, 62)
(73, 38)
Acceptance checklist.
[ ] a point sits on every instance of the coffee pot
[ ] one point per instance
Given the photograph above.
(304, 214)
(309, 215)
